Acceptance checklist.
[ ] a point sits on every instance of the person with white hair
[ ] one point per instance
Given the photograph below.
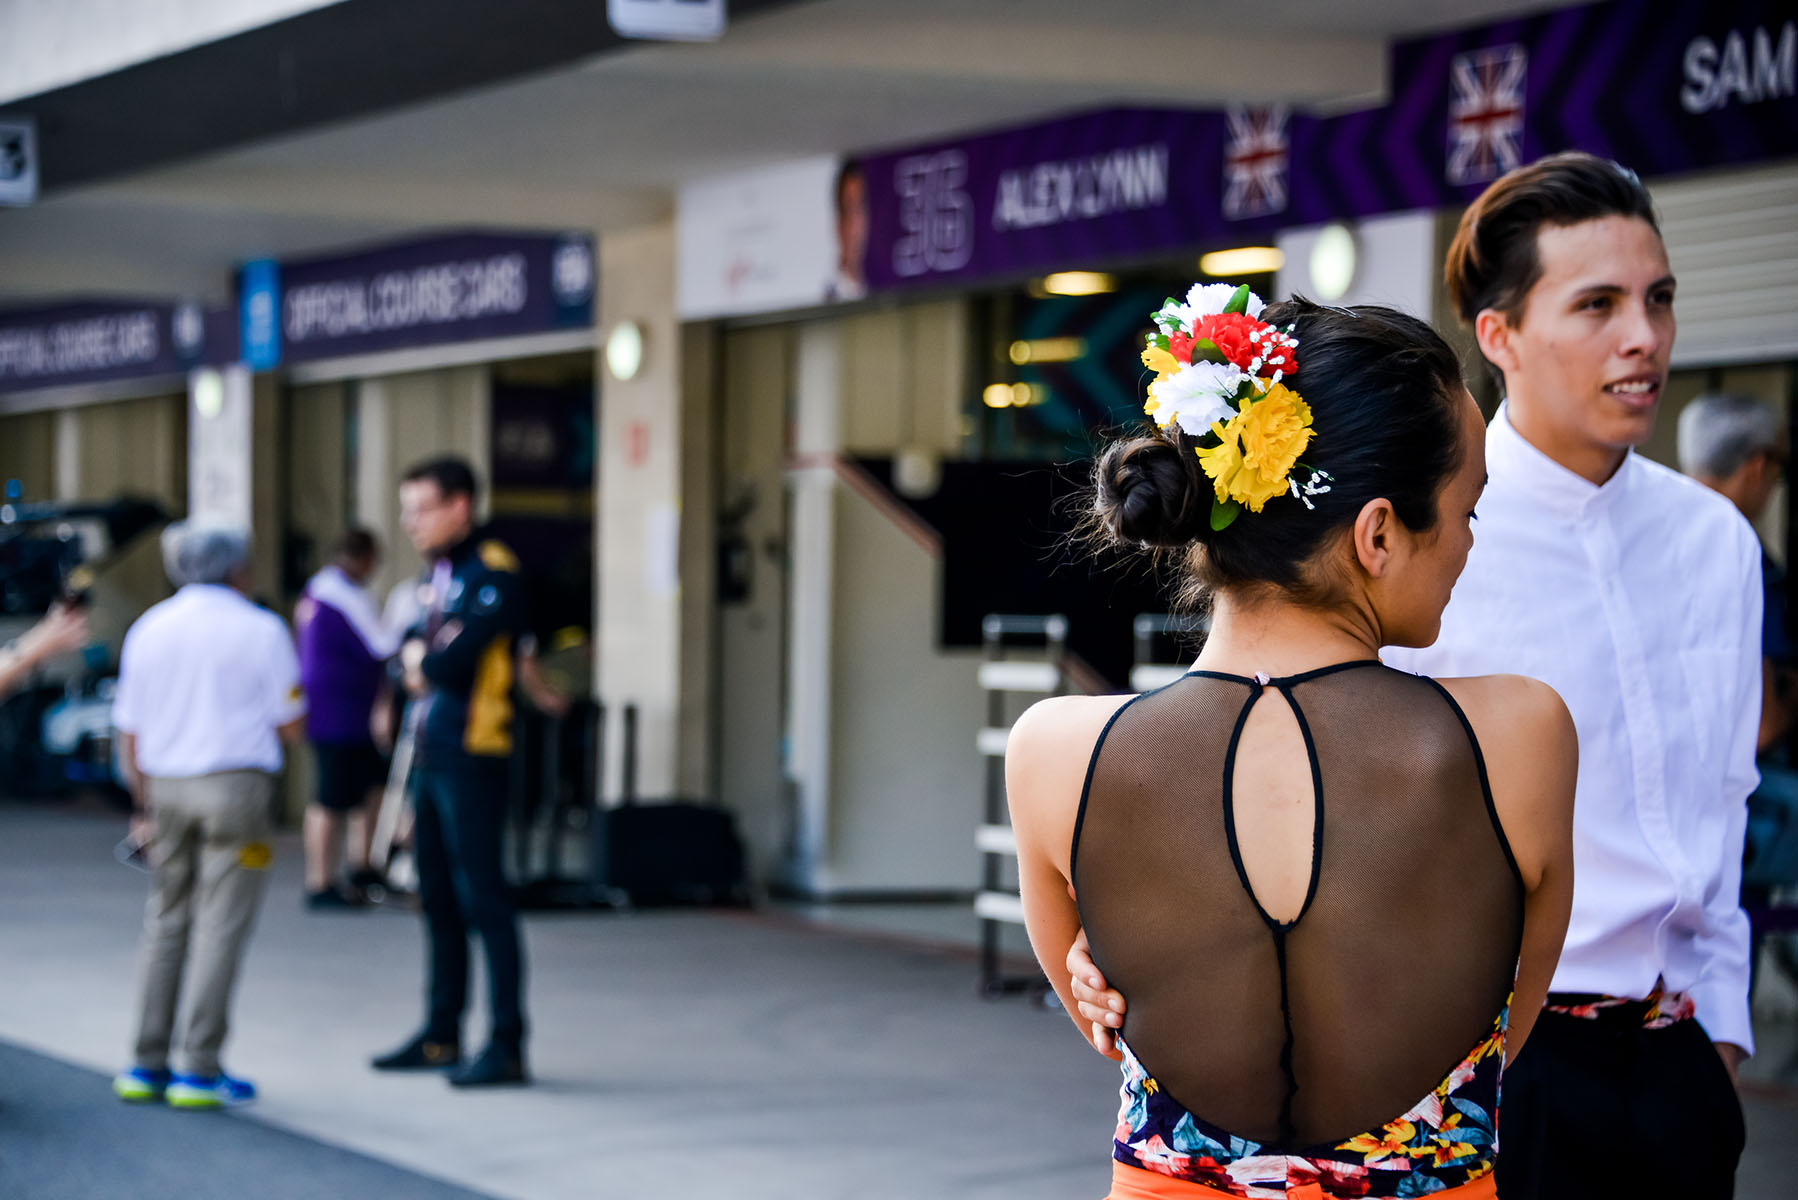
(209, 689)
(1736, 446)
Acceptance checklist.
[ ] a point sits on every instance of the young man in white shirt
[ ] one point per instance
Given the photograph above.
(209, 689)
(1635, 593)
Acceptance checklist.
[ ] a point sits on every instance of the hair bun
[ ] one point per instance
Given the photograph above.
(1146, 493)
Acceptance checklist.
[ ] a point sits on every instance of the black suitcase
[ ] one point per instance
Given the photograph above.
(668, 853)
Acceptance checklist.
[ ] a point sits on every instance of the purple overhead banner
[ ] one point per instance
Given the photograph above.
(447, 289)
(103, 342)
(1664, 87)
(1097, 187)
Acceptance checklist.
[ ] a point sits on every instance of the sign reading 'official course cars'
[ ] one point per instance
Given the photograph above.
(106, 341)
(449, 289)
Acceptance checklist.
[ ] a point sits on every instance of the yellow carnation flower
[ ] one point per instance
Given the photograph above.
(1222, 462)
(1259, 446)
(1160, 361)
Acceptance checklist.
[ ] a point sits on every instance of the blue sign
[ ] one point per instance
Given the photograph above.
(259, 308)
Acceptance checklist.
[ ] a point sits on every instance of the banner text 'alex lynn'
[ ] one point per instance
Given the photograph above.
(936, 225)
(439, 294)
(1052, 192)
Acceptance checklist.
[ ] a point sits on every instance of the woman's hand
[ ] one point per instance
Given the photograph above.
(1101, 1007)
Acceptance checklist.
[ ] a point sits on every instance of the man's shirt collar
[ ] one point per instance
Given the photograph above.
(1529, 473)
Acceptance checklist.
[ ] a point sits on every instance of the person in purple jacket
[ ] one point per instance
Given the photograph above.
(343, 646)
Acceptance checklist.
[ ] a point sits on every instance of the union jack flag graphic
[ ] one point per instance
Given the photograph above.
(1485, 115)
(1255, 160)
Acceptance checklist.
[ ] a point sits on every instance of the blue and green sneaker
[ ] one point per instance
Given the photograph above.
(209, 1091)
(140, 1085)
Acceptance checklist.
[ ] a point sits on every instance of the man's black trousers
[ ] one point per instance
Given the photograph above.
(461, 810)
(1608, 1107)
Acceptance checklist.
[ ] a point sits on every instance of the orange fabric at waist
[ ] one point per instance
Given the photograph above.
(1134, 1183)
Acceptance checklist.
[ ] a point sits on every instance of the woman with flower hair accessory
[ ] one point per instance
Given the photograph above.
(1636, 594)
(1323, 885)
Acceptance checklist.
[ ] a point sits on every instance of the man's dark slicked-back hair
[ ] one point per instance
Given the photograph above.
(1493, 262)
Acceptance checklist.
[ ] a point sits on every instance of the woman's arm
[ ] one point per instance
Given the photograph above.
(1532, 760)
(1045, 771)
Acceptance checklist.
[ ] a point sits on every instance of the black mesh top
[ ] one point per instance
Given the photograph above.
(1308, 1031)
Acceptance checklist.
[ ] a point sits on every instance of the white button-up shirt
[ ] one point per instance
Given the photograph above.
(1639, 601)
(205, 677)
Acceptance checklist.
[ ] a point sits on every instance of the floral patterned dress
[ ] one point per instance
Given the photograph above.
(1447, 1139)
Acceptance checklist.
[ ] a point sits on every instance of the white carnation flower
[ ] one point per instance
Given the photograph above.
(1208, 299)
(1196, 395)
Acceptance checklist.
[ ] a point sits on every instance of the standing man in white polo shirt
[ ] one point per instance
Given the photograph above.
(209, 688)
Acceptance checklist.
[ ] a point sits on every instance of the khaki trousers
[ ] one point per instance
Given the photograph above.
(209, 862)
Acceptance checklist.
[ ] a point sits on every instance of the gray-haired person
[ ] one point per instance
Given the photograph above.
(1737, 447)
(209, 689)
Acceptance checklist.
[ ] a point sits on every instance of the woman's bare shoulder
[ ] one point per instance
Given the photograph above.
(1531, 752)
(1062, 727)
(1509, 711)
(1046, 758)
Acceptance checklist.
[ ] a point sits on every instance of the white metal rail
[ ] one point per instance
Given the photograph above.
(1005, 679)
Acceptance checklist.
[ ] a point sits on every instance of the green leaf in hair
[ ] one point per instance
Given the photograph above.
(1223, 512)
(1239, 299)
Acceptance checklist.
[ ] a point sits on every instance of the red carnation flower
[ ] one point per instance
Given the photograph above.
(1229, 332)
(1180, 346)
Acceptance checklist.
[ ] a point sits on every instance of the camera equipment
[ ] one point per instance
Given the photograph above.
(51, 551)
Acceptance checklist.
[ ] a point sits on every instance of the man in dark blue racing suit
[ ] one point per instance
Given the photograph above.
(459, 668)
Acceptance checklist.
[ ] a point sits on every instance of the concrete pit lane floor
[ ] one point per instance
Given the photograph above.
(748, 1056)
